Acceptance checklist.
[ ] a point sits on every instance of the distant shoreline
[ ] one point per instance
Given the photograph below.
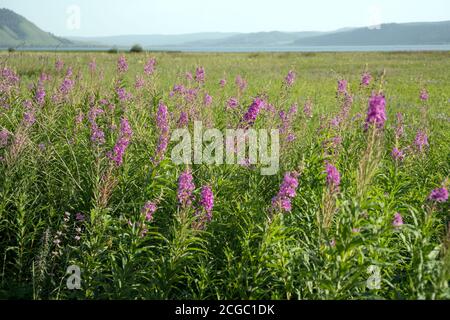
(287, 49)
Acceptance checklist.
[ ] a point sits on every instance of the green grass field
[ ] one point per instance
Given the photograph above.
(64, 202)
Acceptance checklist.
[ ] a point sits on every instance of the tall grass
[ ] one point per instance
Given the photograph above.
(51, 170)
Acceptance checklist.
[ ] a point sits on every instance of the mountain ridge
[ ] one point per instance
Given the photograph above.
(15, 31)
(413, 33)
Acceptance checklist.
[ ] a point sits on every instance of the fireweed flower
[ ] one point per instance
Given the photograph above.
(241, 83)
(28, 104)
(421, 141)
(122, 143)
(9, 80)
(177, 89)
(200, 75)
(39, 96)
(44, 77)
(344, 112)
(307, 109)
(397, 154)
(286, 120)
(207, 100)
(288, 189)
(439, 195)
(79, 118)
(97, 134)
(148, 210)
(188, 76)
(376, 114)
(69, 72)
(80, 217)
(335, 122)
(66, 85)
(232, 103)
(253, 111)
(162, 122)
(92, 66)
(190, 95)
(122, 65)
(139, 83)
(345, 108)
(103, 102)
(293, 109)
(424, 95)
(123, 95)
(149, 67)
(59, 65)
(162, 117)
(222, 83)
(207, 201)
(4, 135)
(269, 108)
(398, 220)
(29, 116)
(290, 78)
(365, 79)
(333, 176)
(290, 137)
(342, 87)
(185, 190)
(183, 120)
(335, 143)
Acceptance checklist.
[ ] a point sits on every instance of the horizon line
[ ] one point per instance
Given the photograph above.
(245, 32)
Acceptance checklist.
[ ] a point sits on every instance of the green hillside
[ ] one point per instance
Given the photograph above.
(15, 31)
(421, 33)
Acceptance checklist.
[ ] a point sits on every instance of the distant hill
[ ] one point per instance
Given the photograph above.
(153, 40)
(421, 33)
(15, 31)
(273, 38)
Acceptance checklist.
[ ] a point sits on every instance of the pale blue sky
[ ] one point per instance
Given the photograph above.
(115, 17)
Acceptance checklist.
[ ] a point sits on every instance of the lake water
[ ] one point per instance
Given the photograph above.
(312, 49)
(267, 49)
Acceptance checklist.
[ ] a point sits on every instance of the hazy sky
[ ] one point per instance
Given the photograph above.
(115, 17)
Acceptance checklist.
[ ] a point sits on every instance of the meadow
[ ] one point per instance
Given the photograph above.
(357, 210)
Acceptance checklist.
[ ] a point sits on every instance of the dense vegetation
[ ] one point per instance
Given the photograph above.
(358, 209)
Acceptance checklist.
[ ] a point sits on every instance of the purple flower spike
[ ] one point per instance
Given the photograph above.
(122, 65)
(439, 195)
(290, 78)
(288, 189)
(365, 79)
(207, 201)
(148, 210)
(333, 176)
(376, 115)
(186, 187)
(398, 220)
